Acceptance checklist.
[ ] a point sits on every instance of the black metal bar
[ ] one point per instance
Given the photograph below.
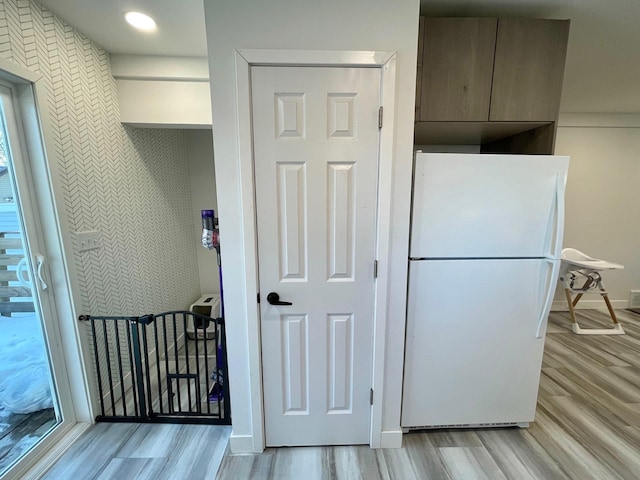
(225, 371)
(195, 335)
(174, 419)
(171, 407)
(96, 317)
(206, 368)
(177, 359)
(120, 372)
(166, 362)
(108, 359)
(139, 381)
(98, 372)
(136, 405)
(159, 378)
(186, 356)
(147, 375)
(217, 370)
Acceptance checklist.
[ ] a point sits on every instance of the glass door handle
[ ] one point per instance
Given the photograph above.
(20, 272)
(39, 265)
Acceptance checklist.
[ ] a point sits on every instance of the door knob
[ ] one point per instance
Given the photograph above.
(274, 299)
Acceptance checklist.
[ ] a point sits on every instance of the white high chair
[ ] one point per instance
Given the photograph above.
(575, 266)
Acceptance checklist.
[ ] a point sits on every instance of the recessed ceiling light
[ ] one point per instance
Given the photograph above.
(140, 21)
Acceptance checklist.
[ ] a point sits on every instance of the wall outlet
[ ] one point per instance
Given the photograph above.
(634, 299)
(88, 240)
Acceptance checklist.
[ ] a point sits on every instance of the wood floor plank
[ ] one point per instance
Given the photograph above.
(196, 451)
(452, 438)
(399, 464)
(579, 386)
(549, 387)
(254, 467)
(356, 463)
(575, 461)
(298, 462)
(519, 456)
(470, 463)
(605, 379)
(138, 468)
(424, 457)
(150, 441)
(87, 458)
(612, 446)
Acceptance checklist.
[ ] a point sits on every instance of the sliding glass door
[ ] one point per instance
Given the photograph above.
(30, 396)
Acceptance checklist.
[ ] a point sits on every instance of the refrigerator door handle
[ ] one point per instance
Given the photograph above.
(560, 190)
(548, 300)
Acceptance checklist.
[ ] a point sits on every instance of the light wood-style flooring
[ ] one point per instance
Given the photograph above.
(127, 451)
(587, 427)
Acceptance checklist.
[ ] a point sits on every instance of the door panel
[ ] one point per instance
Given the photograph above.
(316, 165)
(457, 67)
(528, 70)
(483, 206)
(473, 355)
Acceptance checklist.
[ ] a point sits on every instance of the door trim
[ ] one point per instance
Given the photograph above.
(244, 59)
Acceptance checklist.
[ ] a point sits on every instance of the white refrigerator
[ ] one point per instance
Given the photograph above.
(486, 238)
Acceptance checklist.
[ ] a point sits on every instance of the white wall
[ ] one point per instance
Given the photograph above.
(603, 197)
(291, 24)
(202, 180)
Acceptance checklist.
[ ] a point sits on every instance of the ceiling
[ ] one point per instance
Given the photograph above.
(603, 60)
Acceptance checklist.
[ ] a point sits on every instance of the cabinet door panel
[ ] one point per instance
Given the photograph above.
(456, 69)
(528, 70)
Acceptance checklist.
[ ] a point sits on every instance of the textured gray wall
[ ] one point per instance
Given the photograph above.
(132, 185)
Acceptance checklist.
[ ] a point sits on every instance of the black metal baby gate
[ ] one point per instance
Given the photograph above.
(166, 368)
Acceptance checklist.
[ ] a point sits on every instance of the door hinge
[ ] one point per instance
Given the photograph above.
(258, 297)
(375, 269)
(380, 118)
(371, 397)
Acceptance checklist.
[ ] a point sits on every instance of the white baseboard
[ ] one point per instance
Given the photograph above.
(239, 444)
(561, 305)
(391, 439)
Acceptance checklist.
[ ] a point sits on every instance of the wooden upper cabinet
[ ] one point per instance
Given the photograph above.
(457, 66)
(528, 69)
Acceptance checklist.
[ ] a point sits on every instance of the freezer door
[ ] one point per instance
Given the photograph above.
(487, 206)
(475, 340)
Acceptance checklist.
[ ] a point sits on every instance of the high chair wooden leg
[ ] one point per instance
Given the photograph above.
(572, 312)
(610, 308)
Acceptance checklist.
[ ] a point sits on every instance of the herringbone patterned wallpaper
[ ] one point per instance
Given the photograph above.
(131, 185)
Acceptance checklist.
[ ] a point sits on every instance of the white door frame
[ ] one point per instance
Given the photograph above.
(245, 58)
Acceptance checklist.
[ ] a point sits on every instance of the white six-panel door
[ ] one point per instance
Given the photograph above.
(316, 165)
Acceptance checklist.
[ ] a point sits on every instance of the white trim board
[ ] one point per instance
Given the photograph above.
(391, 439)
(245, 58)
